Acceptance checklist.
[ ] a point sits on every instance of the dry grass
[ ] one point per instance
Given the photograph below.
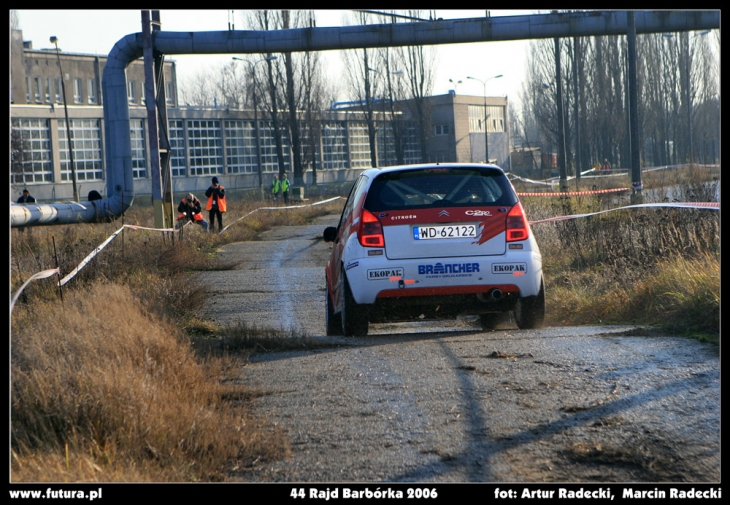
(651, 266)
(117, 385)
(106, 382)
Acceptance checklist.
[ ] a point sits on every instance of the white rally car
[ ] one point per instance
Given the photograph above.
(432, 241)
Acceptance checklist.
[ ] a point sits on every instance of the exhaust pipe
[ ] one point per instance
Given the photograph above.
(493, 295)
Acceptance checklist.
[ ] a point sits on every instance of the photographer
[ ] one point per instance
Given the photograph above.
(190, 210)
(216, 203)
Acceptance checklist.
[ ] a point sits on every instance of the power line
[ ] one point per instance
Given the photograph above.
(389, 15)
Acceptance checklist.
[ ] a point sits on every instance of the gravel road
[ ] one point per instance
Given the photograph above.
(447, 402)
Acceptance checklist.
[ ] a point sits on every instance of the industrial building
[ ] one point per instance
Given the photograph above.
(211, 141)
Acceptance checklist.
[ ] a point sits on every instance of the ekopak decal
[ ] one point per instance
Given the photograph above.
(384, 273)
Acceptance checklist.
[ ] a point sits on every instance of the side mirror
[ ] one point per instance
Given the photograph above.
(330, 234)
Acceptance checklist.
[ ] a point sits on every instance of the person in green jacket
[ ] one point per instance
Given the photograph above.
(275, 188)
(285, 188)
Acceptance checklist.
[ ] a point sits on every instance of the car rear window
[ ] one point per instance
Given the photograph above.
(439, 187)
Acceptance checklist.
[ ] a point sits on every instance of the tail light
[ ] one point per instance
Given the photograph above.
(517, 227)
(370, 233)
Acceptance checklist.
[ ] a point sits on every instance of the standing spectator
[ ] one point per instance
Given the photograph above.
(26, 198)
(190, 210)
(606, 164)
(275, 188)
(216, 203)
(285, 188)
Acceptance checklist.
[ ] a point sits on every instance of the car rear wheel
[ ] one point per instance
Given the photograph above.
(354, 316)
(333, 321)
(530, 310)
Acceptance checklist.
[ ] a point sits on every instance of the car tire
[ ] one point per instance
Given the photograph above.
(530, 310)
(491, 320)
(354, 316)
(332, 321)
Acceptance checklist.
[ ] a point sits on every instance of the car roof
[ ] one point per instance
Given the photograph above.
(396, 168)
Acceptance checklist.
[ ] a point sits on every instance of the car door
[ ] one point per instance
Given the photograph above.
(344, 229)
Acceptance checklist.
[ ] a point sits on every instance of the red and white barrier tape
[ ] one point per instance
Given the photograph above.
(96, 251)
(39, 275)
(574, 193)
(681, 205)
(282, 208)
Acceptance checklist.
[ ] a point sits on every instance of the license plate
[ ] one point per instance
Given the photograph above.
(444, 232)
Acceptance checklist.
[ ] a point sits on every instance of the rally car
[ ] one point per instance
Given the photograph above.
(432, 241)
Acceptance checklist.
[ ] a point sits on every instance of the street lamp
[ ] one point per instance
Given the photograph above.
(54, 40)
(486, 138)
(256, 115)
(455, 83)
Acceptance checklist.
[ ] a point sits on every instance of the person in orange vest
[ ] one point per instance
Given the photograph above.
(216, 203)
(606, 164)
(190, 210)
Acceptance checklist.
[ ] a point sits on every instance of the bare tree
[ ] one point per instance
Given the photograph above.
(314, 102)
(293, 19)
(360, 81)
(265, 20)
(393, 92)
(231, 85)
(196, 90)
(418, 65)
(678, 105)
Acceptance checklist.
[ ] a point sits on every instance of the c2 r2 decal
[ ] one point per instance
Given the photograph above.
(508, 268)
(384, 273)
(352, 265)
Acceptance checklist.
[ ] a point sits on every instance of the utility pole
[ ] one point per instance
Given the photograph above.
(54, 40)
(561, 119)
(636, 184)
(576, 57)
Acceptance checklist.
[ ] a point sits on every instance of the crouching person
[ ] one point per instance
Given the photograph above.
(190, 210)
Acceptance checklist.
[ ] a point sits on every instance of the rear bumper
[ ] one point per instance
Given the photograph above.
(376, 278)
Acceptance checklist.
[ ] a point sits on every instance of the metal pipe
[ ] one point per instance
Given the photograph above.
(120, 187)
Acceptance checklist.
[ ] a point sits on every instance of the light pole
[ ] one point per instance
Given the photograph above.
(455, 83)
(256, 116)
(486, 138)
(54, 40)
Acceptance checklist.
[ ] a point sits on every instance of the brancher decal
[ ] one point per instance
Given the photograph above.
(352, 265)
(448, 270)
(384, 273)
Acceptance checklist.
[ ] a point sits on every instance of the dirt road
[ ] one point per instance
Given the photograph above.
(450, 403)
